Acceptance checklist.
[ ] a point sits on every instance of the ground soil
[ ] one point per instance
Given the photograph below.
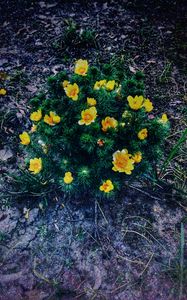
(127, 250)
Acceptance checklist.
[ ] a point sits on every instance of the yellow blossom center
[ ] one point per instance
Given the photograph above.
(87, 117)
(73, 92)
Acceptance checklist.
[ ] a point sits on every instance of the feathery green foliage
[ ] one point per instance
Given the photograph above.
(78, 153)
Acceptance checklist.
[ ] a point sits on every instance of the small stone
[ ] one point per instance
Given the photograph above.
(5, 154)
(8, 220)
(3, 61)
(32, 215)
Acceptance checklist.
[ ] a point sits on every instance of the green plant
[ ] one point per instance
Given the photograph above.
(75, 37)
(178, 270)
(166, 73)
(174, 150)
(175, 164)
(3, 236)
(91, 132)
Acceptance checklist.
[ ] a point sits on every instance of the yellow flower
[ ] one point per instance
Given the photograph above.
(123, 162)
(2, 92)
(25, 138)
(137, 157)
(81, 67)
(36, 115)
(33, 128)
(109, 122)
(68, 178)
(52, 119)
(99, 84)
(88, 116)
(65, 83)
(163, 119)
(91, 101)
(142, 134)
(35, 165)
(148, 105)
(110, 85)
(136, 102)
(107, 186)
(72, 91)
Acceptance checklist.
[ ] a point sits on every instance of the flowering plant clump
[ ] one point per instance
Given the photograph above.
(92, 131)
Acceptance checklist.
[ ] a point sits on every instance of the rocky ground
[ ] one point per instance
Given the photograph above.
(129, 250)
(56, 254)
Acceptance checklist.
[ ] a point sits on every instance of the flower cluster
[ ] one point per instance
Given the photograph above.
(35, 166)
(138, 102)
(108, 85)
(52, 118)
(91, 129)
